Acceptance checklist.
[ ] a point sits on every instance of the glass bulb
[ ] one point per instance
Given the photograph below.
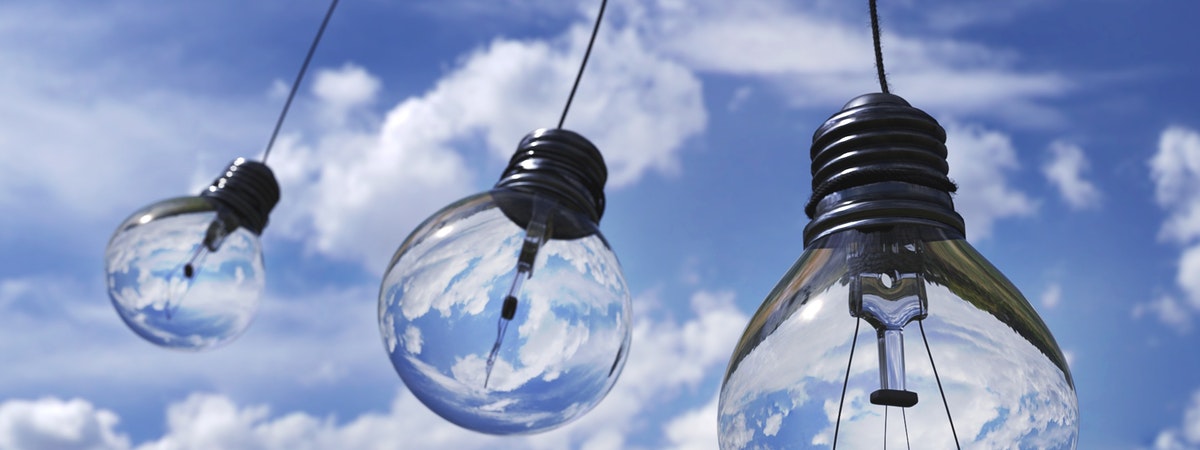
(183, 275)
(506, 328)
(978, 367)
(187, 273)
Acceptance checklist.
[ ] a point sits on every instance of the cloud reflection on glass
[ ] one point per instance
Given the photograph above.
(1005, 380)
(565, 344)
(145, 266)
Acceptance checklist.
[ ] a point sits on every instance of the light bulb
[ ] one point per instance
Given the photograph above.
(891, 331)
(506, 312)
(187, 273)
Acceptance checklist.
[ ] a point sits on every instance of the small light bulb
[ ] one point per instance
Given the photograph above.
(960, 360)
(187, 273)
(507, 312)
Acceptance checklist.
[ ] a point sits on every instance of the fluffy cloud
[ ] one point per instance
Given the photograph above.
(1065, 170)
(668, 360)
(51, 423)
(87, 136)
(1187, 435)
(819, 53)
(695, 429)
(1175, 170)
(361, 187)
(980, 160)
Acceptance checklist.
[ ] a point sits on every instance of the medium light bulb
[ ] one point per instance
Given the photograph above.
(506, 312)
(187, 273)
(891, 331)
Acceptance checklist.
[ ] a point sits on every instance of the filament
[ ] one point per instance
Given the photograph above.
(939, 383)
(845, 382)
(184, 274)
(904, 415)
(180, 285)
(536, 234)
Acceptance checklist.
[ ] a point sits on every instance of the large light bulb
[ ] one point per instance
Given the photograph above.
(187, 272)
(506, 312)
(891, 331)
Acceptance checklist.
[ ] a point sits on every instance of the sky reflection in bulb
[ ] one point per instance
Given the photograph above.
(148, 287)
(441, 302)
(785, 382)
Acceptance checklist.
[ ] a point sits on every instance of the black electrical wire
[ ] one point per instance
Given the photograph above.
(587, 53)
(299, 76)
(883, 84)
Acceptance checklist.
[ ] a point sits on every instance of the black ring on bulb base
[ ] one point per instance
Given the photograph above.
(247, 189)
(879, 162)
(562, 165)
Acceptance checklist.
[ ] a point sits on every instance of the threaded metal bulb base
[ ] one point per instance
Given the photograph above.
(247, 189)
(561, 165)
(879, 162)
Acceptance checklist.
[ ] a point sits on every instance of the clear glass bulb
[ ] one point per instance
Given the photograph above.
(182, 274)
(836, 357)
(502, 328)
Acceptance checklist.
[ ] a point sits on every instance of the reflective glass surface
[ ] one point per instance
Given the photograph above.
(145, 264)
(442, 301)
(1003, 380)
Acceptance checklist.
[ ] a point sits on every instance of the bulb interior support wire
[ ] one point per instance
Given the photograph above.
(587, 53)
(939, 384)
(299, 77)
(849, 361)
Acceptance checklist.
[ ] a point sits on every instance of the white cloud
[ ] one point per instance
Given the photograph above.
(695, 429)
(95, 136)
(1175, 170)
(1167, 310)
(980, 161)
(50, 423)
(669, 360)
(1065, 170)
(1187, 435)
(766, 39)
(344, 89)
(361, 191)
(1052, 296)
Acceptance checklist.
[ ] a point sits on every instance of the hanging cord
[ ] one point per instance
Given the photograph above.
(300, 76)
(586, 54)
(883, 84)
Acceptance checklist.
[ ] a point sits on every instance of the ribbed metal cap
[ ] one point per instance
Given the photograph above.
(247, 189)
(879, 162)
(560, 164)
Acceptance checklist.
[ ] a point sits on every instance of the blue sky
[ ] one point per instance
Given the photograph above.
(1074, 137)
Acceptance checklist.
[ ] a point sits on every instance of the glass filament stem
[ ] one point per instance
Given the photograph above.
(535, 235)
(185, 273)
(888, 292)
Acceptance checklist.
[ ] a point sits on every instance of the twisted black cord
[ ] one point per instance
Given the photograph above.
(586, 54)
(300, 76)
(883, 84)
